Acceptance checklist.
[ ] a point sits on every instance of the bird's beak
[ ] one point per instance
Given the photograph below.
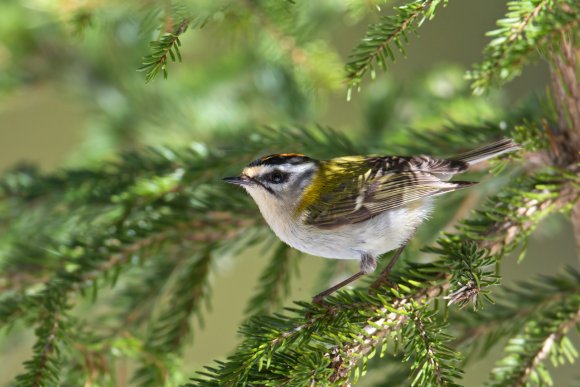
(238, 180)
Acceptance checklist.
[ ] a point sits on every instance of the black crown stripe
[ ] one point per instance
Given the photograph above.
(279, 159)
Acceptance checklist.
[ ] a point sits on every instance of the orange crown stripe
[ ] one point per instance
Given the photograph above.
(283, 155)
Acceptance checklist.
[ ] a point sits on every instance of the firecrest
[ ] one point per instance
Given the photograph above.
(354, 207)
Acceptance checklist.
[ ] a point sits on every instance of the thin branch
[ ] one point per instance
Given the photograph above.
(166, 47)
(43, 368)
(84, 277)
(520, 35)
(377, 44)
(518, 304)
(510, 229)
(356, 70)
(345, 357)
(544, 350)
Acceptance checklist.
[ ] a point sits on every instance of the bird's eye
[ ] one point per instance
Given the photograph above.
(276, 177)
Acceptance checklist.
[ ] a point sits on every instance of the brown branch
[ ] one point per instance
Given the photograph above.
(510, 230)
(545, 349)
(344, 357)
(566, 92)
(500, 235)
(490, 325)
(360, 70)
(564, 70)
(543, 40)
(214, 231)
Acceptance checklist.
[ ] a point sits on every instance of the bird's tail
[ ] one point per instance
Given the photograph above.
(488, 151)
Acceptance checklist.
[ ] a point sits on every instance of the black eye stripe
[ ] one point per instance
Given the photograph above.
(276, 177)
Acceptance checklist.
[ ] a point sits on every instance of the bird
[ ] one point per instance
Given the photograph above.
(354, 207)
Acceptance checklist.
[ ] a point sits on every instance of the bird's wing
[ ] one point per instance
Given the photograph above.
(355, 191)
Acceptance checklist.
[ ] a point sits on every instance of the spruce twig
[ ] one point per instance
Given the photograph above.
(539, 339)
(43, 368)
(167, 47)
(377, 44)
(528, 26)
(515, 305)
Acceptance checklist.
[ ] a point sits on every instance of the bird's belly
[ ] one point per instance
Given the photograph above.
(380, 234)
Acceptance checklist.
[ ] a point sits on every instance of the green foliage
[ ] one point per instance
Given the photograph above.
(529, 27)
(177, 18)
(525, 303)
(538, 340)
(473, 272)
(173, 327)
(384, 37)
(316, 344)
(434, 363)
(111, 259)
(544, 193)
(163, 49)
(44, 367)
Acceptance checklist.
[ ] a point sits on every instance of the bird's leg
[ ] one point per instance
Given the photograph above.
(384, 277)
(322, 295)
(368, 264)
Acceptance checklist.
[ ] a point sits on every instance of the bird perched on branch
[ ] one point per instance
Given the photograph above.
(354, 207)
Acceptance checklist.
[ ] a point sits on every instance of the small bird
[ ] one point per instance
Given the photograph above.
(354, 207)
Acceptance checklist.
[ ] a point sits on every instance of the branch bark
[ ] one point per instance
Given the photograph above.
(564, 70)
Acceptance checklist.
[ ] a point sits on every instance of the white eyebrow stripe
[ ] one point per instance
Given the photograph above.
(262, 170)
(293, 168)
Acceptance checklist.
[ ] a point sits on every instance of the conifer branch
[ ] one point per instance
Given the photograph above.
(401, 314)
(44, 367)
(377, 45)
(271, 341)
(472, 274)
(503, 224)
(150, 225)
(515, 305)
(529, 25)
(554, 339)
(538, 340)
(105, 256)
(435, 363)
(167, 47)
(173, 328)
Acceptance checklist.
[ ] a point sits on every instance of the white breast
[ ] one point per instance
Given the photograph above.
(380, 234)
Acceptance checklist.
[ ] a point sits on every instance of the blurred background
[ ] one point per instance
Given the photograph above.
(71, 95)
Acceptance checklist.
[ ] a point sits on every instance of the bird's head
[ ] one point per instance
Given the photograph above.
(277, 180)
